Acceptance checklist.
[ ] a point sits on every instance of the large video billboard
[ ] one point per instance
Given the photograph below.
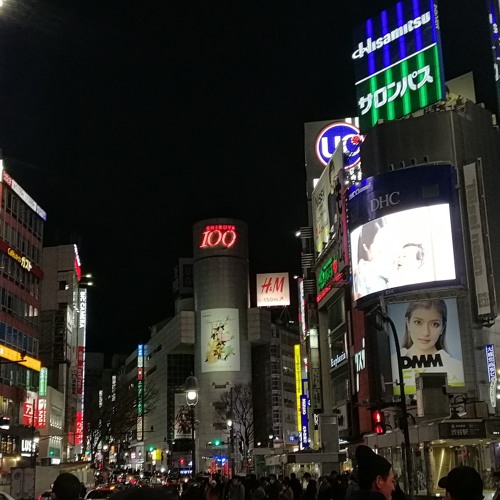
(401, 231)
(397, 62)
(429, 338)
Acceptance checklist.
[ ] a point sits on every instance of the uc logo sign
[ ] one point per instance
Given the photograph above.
(329, 138)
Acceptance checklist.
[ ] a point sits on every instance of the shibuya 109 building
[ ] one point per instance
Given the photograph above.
(401, 258)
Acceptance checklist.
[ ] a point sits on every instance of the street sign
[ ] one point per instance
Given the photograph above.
(462, 430)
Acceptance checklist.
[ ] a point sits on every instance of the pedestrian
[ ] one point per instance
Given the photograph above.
(310, 488)
(236, 489)
(296, 486)
(375, 476)
(273, 488)
(325, 489)
(286, 492)
(462, 483)
(66, 487)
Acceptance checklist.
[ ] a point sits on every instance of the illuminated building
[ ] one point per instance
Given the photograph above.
(21, 234)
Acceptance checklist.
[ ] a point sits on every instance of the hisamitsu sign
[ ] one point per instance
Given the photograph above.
(397, 61)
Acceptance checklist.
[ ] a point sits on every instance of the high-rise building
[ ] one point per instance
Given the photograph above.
(21, 235)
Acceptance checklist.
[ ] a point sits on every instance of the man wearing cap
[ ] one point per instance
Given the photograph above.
(462, 483)
(66, 487)
(375, 476)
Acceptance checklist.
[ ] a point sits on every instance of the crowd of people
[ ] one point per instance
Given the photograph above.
(374, 479)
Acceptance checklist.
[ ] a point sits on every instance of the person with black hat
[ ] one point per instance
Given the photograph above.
(462, 483)
(375, 476)
(66, 487)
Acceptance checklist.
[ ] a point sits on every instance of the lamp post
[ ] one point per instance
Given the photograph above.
(406, 431)
(191, 388)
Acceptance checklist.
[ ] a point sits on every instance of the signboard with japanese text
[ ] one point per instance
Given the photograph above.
(398, 63)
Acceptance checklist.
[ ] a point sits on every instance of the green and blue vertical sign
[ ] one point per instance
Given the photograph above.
(398, 62)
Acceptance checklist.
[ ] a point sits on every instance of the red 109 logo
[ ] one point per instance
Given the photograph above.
(220, 235)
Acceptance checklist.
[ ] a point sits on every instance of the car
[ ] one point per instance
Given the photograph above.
(101, 492)
(6, 496)
(45, 495)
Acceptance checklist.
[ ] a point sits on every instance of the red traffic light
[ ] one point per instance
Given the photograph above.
(378, 422)
(181, 461)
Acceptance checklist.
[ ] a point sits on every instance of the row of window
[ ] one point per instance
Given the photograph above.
(17, 340)
(18, 308)
(13, 205)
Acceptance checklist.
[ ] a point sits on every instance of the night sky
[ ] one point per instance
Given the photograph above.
(130, 121)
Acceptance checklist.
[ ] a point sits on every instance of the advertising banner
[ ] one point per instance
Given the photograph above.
(220, 340)
(182, 423)
(397, 62)
(321, 217)
(401, 232)
(430, 341)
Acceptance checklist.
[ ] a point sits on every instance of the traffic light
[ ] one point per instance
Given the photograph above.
(217, 442)
(181, 461)
(151, 448)
(378, 422)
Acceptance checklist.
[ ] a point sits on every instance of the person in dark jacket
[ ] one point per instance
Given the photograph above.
(296, 486)
(310, 490)
(375, 476)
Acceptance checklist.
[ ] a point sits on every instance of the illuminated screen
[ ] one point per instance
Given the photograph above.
(429, 339)
(408, 247)
(401, 234)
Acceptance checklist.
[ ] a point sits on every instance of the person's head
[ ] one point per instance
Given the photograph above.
(370, 243)
(374, 472)
(293, 475)
(462, 483)
(66, 487)
(425, 326)
(307, 476)
(410, 258)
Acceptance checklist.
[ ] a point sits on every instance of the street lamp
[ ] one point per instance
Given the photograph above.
(191, 389)
(404, 420)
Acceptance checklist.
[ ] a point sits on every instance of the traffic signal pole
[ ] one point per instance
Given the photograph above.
(404, 420)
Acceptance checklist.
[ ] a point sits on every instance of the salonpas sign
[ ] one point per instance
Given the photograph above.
(398, 63)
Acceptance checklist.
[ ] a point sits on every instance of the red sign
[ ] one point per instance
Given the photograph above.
(79, 428)
(42, 413)
(79, 372)
(219, 235)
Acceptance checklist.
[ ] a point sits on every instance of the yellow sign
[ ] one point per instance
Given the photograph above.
(16, 357)
(298, 384)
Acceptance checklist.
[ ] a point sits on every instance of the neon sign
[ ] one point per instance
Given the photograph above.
(219, 235)
(398, 62)
(330, 137)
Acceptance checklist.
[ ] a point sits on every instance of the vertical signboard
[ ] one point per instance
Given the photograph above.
(140, 392)
(476, 212)
(492, 373)
(398, 63)
(298, 383)
(493, 16)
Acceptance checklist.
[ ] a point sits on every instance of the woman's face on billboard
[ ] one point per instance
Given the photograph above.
(424, 326)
